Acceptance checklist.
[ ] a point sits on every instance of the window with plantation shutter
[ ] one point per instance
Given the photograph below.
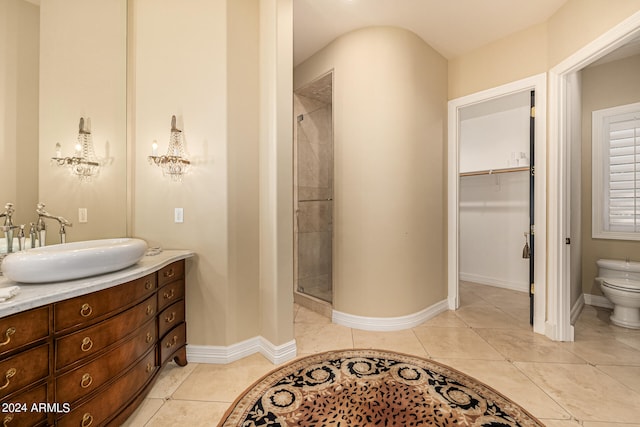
(616, 172)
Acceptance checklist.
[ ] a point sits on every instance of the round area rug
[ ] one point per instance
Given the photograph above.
(353, 388)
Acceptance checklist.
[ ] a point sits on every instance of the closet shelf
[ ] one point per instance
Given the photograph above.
(495, 171)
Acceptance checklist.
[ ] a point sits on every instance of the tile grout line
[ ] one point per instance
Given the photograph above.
(513, 364)
(571, 415)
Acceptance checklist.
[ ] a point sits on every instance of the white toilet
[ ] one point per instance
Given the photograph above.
(620, 283)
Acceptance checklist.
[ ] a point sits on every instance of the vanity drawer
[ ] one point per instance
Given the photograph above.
(174, 340)
(171, 272)
(81, 381)
(17, 411)
(23, 369)
(170, 317)
(23, 328)
(81, 344)
(97, 410)
(170, 293)
(88, 309)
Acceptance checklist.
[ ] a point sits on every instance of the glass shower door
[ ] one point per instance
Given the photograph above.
(314, 203)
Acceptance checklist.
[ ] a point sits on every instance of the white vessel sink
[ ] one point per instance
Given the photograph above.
(75, 260)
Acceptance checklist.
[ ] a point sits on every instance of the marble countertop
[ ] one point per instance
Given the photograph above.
(37, 295)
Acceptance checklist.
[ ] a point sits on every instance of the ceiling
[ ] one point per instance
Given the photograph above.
(452, 27)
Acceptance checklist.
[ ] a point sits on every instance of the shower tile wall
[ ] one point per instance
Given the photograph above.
(314, 179)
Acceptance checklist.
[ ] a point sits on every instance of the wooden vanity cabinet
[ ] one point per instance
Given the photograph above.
(18, 411)
(88, 309)
(172, 329)
(25, 366)
(99, 409)
(76, 347)
(24, 330)
(77, 383)
(90, 360)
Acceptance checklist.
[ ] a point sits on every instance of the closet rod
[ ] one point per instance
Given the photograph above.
(495, 171)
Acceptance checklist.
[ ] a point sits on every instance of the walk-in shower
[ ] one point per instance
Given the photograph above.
(313, 195)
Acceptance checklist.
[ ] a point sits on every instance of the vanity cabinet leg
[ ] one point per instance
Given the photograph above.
(181, 357)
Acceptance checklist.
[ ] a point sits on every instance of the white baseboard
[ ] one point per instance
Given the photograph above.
(492, 281)
(577, 309)
(223, 355)
(280, 353)
(597, 301)
(389, 323)
(452, 303)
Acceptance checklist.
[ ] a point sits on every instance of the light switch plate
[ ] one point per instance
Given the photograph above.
(82, 215)
(178, 216)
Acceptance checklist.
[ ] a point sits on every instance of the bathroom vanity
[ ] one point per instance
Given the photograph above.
(86, 352)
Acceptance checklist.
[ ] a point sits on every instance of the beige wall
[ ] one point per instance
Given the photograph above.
(83, 64)
(608, 85)
(243, 159)
(536, 49)
(180, 63)
(579, 22)
(189, 60)
(204, 87)
(389, 120)
(515, 57)
(276, 170)
(233, 103)
(19, 50)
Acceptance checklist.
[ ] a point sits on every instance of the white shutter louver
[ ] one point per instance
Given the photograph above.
(624, 176)
(616, 172)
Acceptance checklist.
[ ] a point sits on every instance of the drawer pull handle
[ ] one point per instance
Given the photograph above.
(149, 337)
(7, 420)
(169, 273)
(169, 294)
(149, 310)
(86, 381)
(87, 344)
(87, 419)
(170, 318)
(7, 376)
(173, 342)
(7, 336)
(149, 367)
(86, 310)
(147, 284)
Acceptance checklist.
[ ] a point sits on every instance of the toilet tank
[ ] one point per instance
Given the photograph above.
(614, 268)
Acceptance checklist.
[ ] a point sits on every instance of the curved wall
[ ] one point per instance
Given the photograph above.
(390, 94)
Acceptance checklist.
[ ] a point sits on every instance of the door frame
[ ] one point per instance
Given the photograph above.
(539, 84)
(561, 108)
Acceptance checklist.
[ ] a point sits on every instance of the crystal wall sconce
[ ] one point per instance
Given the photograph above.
(175, 163)
(84, 163)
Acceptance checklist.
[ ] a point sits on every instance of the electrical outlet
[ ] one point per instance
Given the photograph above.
(178, 215)
(82, 215)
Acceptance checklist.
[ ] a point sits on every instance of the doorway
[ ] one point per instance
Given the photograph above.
(313, 194)
(566, 296)
(513, 176)
(496, 211)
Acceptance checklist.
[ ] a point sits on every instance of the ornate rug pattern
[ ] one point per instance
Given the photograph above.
(353, 388)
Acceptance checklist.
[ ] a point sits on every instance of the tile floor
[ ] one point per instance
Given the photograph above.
(592, 382)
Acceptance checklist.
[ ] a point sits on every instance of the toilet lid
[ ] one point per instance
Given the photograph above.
(623, 284)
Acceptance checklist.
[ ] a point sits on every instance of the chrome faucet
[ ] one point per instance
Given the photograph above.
(8, 213)
(33, 236)
(8, 226)
(41, 226)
